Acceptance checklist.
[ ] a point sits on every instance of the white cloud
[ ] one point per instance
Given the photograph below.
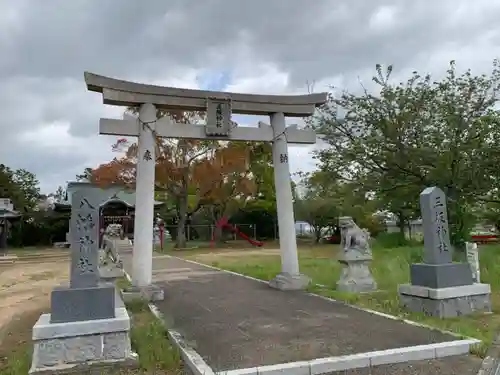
(49, 120)
(383, 19)
(263, 78)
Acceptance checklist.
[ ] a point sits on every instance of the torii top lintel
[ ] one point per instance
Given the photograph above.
(126, 93)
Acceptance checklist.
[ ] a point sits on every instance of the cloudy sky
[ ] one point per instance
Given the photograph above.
(49, 121)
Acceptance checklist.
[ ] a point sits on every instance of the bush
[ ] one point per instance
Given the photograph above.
(39, 229)
(394, 240)
(264, 220)
(374, 225)
(413, 253)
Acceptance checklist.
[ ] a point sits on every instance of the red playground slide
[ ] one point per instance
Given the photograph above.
(223, 223)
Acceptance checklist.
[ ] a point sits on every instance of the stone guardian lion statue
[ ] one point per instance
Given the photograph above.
(355, 276)
(354, 240)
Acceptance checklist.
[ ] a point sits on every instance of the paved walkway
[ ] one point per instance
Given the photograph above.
(234, 322)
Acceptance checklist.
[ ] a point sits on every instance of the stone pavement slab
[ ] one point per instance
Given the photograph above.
(234, 322)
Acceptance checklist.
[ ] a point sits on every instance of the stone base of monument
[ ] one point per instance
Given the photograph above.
(72, 304)
(446, 302)
(286, 281)
(356, 276)
(62, 347)
(150, 293)
(439, 276)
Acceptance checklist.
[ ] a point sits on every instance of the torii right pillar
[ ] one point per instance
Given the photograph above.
(290, 277)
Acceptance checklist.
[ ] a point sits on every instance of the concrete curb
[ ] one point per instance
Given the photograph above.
(388, 316)
(190, 357)
(361, 360)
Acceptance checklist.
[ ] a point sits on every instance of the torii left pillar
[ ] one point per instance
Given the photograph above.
(142, 256)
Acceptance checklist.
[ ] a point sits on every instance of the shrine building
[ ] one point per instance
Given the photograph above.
(117, 208)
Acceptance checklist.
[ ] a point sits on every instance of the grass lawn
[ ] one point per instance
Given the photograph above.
(206, 246)
(148, 337)
(390, 267)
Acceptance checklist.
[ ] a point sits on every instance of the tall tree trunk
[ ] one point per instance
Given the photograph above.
(182, 206)
(401, 223)
(317, 234)
(180, 241)
(458, 222)
(216, 216)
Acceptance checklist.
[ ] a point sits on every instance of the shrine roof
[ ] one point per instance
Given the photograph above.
(117, 193)
(127, 198)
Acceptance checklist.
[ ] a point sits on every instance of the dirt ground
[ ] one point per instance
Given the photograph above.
(26, 285)
(222, 253)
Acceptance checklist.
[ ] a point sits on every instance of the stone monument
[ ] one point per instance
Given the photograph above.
(355, 258)
(84, 326)
(473, 260)
(440, 287)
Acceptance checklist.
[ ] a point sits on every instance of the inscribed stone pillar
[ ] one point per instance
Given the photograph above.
(440, 287)
(438, 270)
(84, 299)
(438, 248)
(83, 328)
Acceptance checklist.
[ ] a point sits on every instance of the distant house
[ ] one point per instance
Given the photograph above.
(118, 207)
(303, 228)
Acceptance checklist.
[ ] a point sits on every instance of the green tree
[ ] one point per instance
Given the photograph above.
(402, 204)
(60, 194)
(416, 134)
(29, 186)
(320, 213)
(8, 188)
(192, 173)
(350, 198)
(20, 186)
(487, 208)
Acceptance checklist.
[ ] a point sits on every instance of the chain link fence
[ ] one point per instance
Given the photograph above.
(205, 233)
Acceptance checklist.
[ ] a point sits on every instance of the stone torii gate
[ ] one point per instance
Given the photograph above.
(219, 126)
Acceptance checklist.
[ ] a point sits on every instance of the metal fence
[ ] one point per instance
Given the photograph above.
(206, 232)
